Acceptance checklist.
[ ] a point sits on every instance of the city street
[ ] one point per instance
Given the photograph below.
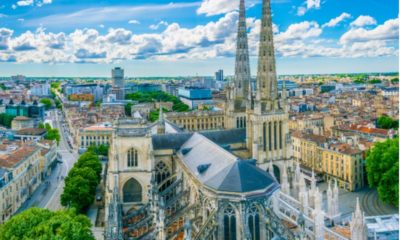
(48, 194)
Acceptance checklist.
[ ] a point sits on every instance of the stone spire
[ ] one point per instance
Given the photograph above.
(357, 224)
(335, 199)
(267, 93)
(161, 122)
(285, 183)
(242, 65)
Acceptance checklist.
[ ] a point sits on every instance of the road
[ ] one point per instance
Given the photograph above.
(48, 195)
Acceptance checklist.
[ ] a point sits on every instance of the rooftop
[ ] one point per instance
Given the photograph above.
(11, 159)
(31, 131)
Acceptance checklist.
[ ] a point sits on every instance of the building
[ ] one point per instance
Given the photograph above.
(233, 183)
(198, 120)
(312, 122)
(35, 110)
(94, 135)
(40, 90)
(21, 122)
(19, 177)
(307, 149)
(30, 134)
(345, 164)
(195, 96)
(382, 227)
(91, 89)
(219, 75)
(118, 83)
(117, 75)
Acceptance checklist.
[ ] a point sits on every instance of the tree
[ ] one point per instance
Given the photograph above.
(387, 122)
(41, 125)
(37, 223)
(77, 194)
(128, 109)
(394, 80)
(6, 119)
(81, 182)
(46, 102)
(53, 134)
(382, 166)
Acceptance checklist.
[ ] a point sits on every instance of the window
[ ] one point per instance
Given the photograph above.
(270, 136)
(254, 222)
(280, 135)
(132, 157)
(132, 191)
(162, 174)
(265, 136)
(275, 139)
(229, 223)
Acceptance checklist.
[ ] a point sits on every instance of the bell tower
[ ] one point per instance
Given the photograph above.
(267, 125)
(238, 90)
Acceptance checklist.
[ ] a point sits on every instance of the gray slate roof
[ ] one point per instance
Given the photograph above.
(220, 137)
(225, 171)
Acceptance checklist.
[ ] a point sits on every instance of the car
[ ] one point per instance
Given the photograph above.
(99, 197)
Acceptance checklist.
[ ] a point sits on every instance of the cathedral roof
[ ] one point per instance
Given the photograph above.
(221, 170)
(176, 140)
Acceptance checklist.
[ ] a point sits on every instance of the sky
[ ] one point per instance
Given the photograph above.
(76, 38)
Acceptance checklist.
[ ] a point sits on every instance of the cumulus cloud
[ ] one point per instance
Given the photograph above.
(308, 5)
(215, 7)
(362, 21)
(389, 30)
(214, 39)
(335, 21)
(25, 3)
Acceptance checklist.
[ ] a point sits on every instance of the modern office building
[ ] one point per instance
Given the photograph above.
(117, 75)
(195, 96)
(219, 75)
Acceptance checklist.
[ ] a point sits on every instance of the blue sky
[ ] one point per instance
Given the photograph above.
(186, 37)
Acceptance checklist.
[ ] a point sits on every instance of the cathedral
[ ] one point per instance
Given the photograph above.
(237, 183)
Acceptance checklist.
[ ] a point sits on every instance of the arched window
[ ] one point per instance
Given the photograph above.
(269, 136)
(229, 223)
(132, 157)
(265, 136)
(132, 191)
(162, 173)
(254, 222)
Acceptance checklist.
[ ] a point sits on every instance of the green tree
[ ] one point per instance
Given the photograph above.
(387, 122)
(99, 150)
(374, 81)
(53, 134)
(46, 102)
(78, 193)
(394, 80)
(85, 172)
(128, 109)
(6, 119)
(382, 166)
(41, 125)
(37, 223)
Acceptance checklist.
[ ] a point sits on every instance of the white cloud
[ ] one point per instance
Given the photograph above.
(159, 24)
(335, 21)
(215, 7)
(389, 30)
(307, 5)
(133, 22)
(25, 3)
(363, 21)
(214, 39)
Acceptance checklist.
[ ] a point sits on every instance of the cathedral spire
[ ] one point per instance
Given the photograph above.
(267, 92)
(242, 65)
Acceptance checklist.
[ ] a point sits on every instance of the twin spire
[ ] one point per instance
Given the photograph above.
(267, 92)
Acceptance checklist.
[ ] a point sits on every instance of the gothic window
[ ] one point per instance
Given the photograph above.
(280, 134)
(237, 123)
(275, 139)
(264, 53)
(254, 222)
(270, 136)
(162, 174)
(265, 136)
(132, 191)
(132, 157)
(244, 119)
(270, 53)
(270, 68)
(229, 223)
